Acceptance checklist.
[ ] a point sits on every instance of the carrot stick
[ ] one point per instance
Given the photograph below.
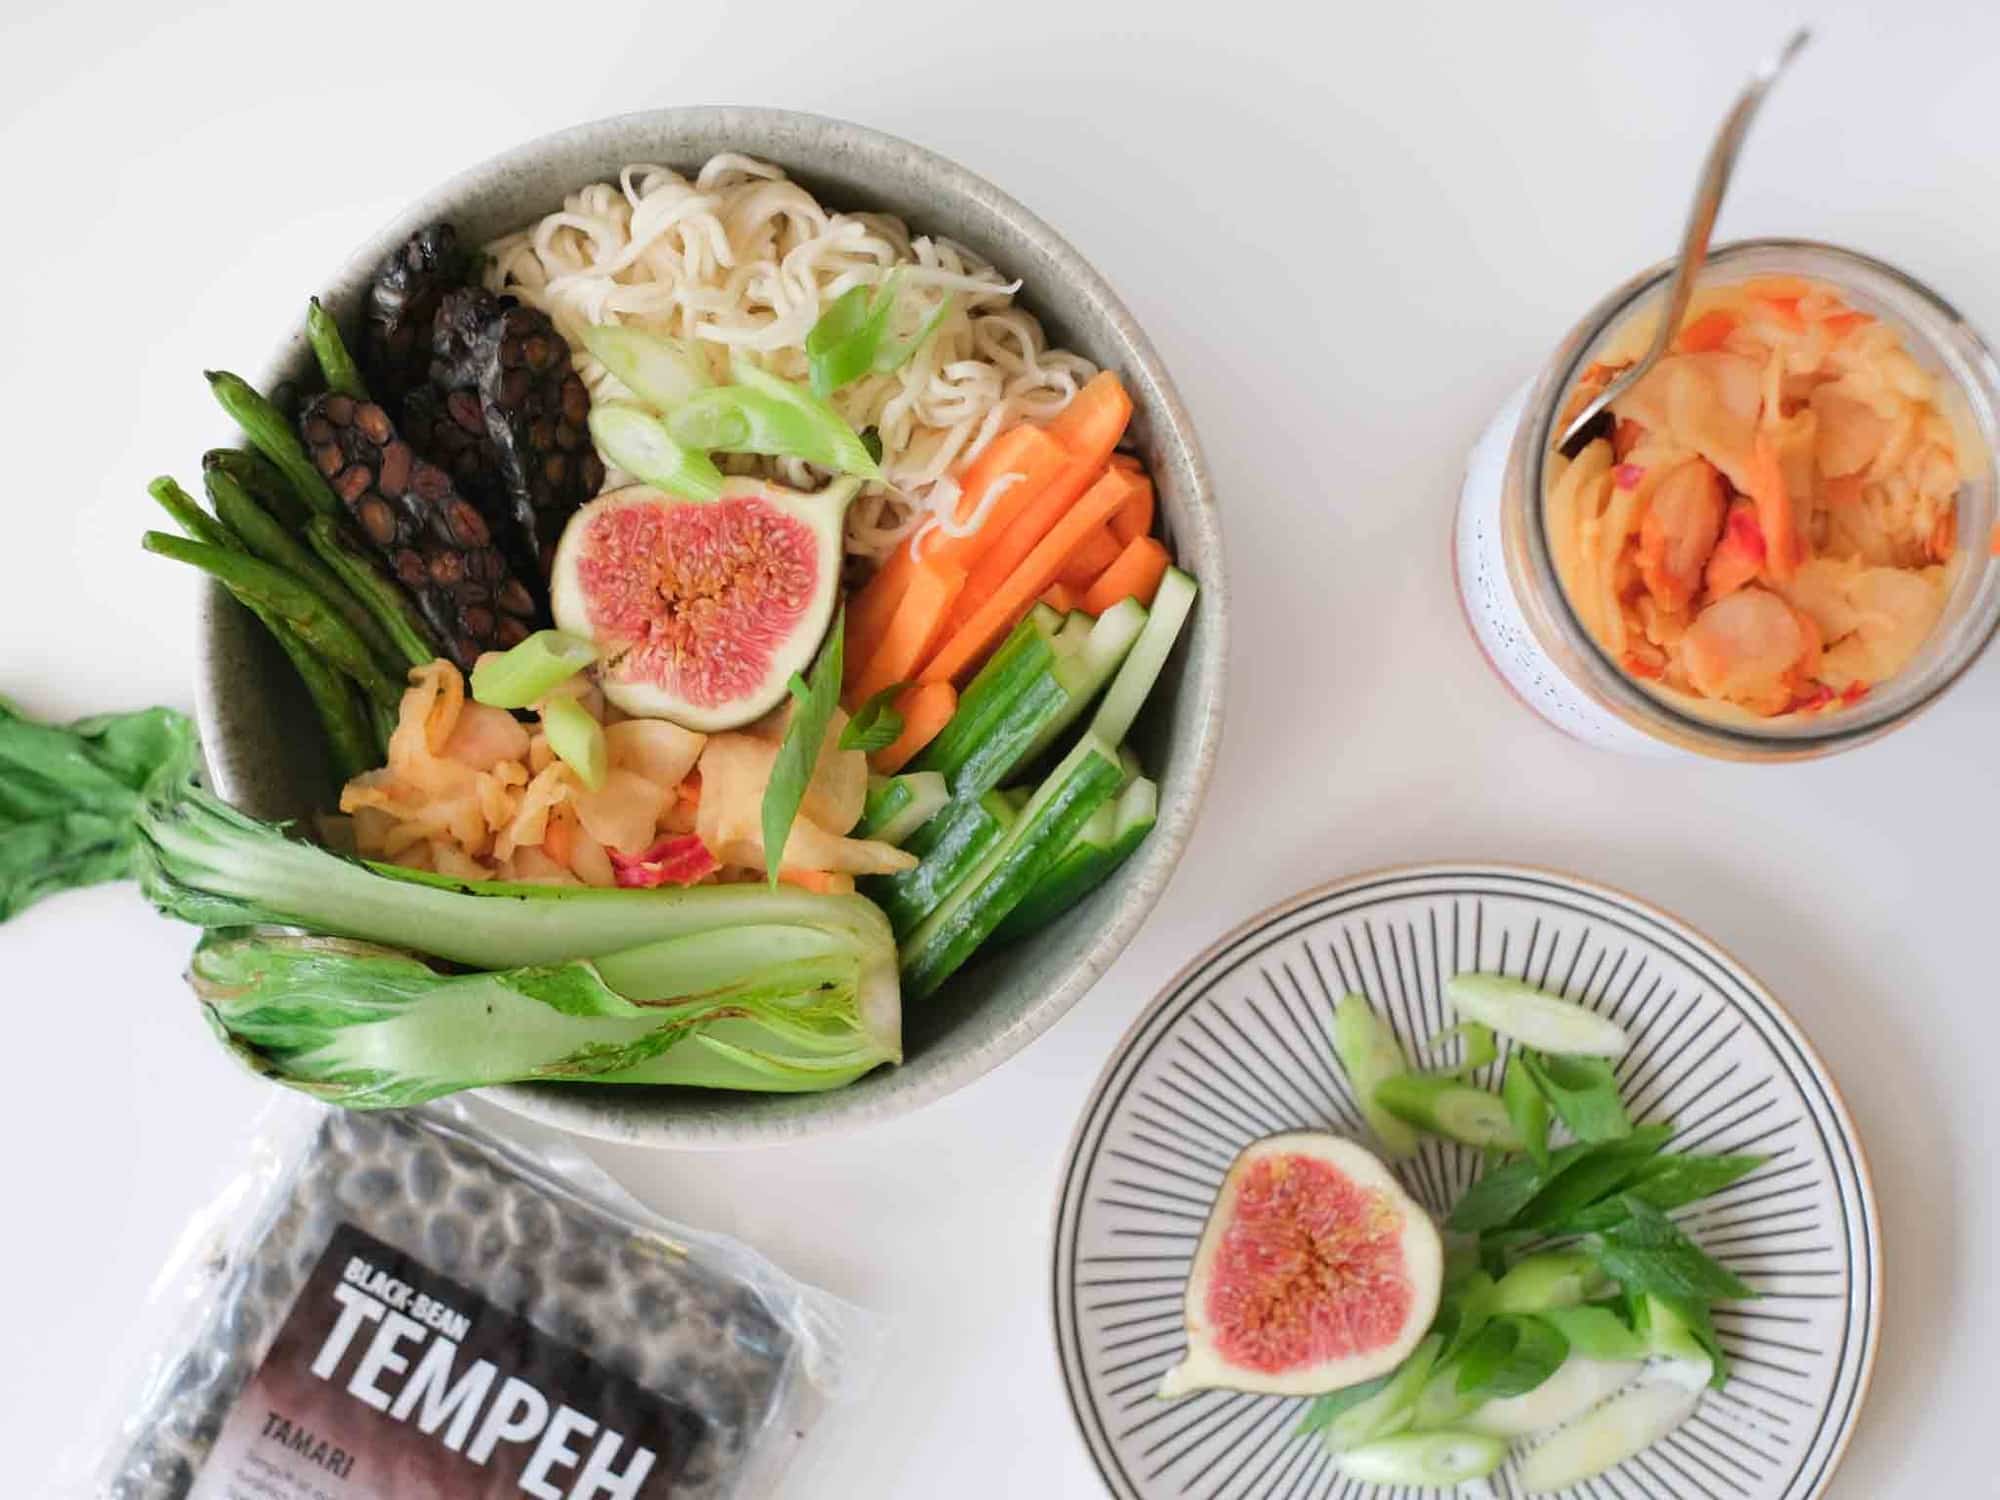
(1135, 575)
(1135, 517)
(1089, 428)
(1060, 597)
(1096, 552)
(1706, 333)
(926, 709)
(914, 632)
(1037, 571)
(1095, 418)
(1129, 462)
(1027, 451)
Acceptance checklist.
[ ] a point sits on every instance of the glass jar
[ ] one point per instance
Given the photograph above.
(1522, 618)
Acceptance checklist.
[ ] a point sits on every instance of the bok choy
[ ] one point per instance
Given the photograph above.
(764, 1006)
(711, 986)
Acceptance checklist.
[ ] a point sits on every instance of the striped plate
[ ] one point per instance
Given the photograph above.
(1238, 1047)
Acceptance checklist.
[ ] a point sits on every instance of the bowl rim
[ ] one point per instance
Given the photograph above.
(1139, 885)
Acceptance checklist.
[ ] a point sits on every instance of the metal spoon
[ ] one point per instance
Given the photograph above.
(1714, 182)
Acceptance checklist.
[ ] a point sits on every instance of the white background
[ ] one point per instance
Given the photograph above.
(1350, 236)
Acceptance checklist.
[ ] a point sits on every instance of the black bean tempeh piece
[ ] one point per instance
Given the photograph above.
(435, 541)
(402, 304)
(538, 464)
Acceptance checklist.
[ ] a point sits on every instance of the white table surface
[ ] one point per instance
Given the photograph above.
(1349, 237)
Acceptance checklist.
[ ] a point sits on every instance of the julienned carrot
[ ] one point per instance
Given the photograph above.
(1096, 552)
(1844, 322)
(915, 631)
(1061, 598)
(1706, 333)
(1136, 575)
(972, 640)
(1027, 451)
(1129, 462)
(1093, 422)
(1774, 510)
(1135, 519)
(926, 709)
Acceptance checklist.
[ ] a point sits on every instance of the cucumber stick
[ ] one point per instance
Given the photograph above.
(1081, 782)
(897, 806)
(947, 847)
(1105, 843)
(1017, 672)
(1147, 658)
(1093, 653)
(1032, 691)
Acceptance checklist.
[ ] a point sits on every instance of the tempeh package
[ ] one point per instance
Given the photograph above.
(402, 1305)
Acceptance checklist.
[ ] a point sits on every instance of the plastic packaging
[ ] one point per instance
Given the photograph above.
(399, 1304)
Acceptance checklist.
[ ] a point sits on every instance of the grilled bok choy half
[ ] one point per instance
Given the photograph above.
(715, 986)
(349, 980)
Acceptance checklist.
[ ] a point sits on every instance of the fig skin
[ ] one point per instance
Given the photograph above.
(1207, 1365)
(814, 523)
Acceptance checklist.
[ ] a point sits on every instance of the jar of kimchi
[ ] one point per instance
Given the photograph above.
(1775, 545)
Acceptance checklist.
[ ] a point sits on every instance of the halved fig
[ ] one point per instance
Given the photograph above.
(701, 610)
(1316, 1271)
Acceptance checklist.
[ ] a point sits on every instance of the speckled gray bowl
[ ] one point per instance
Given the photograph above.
(254, 718)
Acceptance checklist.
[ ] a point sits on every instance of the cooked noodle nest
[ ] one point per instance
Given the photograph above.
(743, 260)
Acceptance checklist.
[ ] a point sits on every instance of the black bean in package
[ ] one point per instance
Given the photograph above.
(418, 1310)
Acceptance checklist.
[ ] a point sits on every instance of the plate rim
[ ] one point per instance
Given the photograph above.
(1849, 1132)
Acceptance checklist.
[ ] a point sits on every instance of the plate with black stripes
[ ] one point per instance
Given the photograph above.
(1239, 1047)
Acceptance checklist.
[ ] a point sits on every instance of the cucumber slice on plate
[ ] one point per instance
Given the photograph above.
(1535, 1018)
(1147, 658)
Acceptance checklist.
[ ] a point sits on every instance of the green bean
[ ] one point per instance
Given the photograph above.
(190, 517)
(258, 583)
(258, 475)
(382, 595)
(271, 435)
(267, 539)
(350, 734)
(335, 363)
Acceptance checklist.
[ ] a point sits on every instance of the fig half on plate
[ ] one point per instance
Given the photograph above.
(1316, 1271)
(701, 610)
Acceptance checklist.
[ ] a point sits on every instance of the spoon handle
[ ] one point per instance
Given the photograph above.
(1709, 189)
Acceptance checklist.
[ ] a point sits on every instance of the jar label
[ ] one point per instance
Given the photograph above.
(1495, 611)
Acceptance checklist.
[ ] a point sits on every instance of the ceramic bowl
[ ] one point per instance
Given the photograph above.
(254, 717)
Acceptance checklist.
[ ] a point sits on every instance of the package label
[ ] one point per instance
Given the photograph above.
(390, 1381)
